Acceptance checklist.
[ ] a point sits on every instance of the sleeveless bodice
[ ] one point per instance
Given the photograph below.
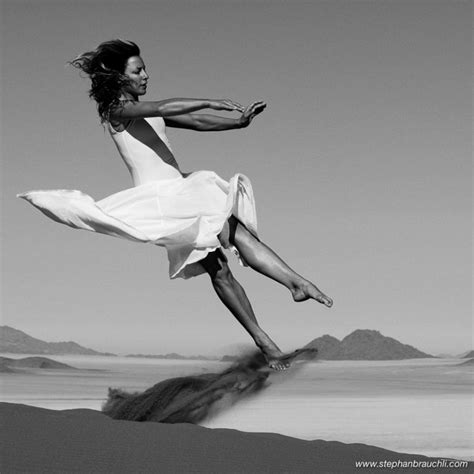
(146, 151)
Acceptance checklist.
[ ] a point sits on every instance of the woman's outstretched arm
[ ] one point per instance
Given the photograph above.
(214, 123)
(131, 109)
(203, 122)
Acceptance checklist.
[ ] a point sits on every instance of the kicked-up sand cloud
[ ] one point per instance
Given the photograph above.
(191, 399)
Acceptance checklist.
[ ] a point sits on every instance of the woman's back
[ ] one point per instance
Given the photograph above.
(145, 148)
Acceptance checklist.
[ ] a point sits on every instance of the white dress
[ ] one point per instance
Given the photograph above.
(183, 214)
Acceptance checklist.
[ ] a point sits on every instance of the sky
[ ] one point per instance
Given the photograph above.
(361, 169)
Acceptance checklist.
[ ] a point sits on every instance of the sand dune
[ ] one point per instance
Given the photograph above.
(37, 440)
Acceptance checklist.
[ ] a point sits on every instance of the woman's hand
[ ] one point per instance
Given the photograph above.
(251, 112)
(225, 104)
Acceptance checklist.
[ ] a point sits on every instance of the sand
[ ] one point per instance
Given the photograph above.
(37, 440)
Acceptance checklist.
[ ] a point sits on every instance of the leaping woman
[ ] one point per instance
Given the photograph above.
(193, 215)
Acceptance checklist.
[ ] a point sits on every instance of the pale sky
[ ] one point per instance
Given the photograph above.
(361, 168)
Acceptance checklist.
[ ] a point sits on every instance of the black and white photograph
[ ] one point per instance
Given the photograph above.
(236, 236)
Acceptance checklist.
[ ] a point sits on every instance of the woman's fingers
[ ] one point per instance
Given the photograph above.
(232, 105)
(228, 104)
(259, 104)
(256, 107)
(238, 106)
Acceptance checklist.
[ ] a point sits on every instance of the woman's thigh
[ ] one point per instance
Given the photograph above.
(239, 231)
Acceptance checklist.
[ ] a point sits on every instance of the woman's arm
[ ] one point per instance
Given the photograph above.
(203, 122)
(131, 109)
(214, 123)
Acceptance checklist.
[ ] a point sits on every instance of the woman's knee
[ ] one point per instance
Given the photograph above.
(223, 277)
(217, 267)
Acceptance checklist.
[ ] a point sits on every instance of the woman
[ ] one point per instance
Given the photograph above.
(193, 215)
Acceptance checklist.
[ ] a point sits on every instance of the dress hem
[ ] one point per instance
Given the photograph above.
(136, 214)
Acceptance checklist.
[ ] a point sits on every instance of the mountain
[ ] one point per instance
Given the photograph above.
(17, 342)
(32, 363)
(469, 355)
(326, 345)
(364, 344)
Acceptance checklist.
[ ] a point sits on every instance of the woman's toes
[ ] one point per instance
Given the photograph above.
(324, 300)
(278, 365)
(328, 302)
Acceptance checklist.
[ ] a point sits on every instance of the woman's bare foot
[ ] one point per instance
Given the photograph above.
(280, 361)
(273, 354)
(307, 290)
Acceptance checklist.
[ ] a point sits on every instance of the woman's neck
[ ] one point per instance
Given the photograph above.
(128, 96)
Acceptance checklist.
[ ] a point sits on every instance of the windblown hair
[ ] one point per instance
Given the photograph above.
(105, 67)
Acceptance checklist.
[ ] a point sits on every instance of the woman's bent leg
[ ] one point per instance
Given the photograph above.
(264, 260)
(233, 296)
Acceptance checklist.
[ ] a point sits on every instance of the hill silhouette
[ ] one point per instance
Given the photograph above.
(15, 341)
(364, 344)
(8, 365)
(469, 355)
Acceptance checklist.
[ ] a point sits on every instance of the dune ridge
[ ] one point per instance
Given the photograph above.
(38, 440)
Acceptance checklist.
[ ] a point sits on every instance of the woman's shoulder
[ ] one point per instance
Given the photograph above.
(115, 123)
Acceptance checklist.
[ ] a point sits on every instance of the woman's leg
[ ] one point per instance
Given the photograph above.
(233, 296)
(264, 260)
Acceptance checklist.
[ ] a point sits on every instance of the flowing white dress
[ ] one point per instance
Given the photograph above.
(183, 214)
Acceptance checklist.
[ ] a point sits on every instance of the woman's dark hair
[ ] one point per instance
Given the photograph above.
(105, 67)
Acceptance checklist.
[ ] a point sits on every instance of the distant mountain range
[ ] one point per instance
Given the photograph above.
(364, 344)
(9, 365)
(17, 342)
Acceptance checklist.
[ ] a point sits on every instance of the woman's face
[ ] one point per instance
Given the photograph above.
(135, 70)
